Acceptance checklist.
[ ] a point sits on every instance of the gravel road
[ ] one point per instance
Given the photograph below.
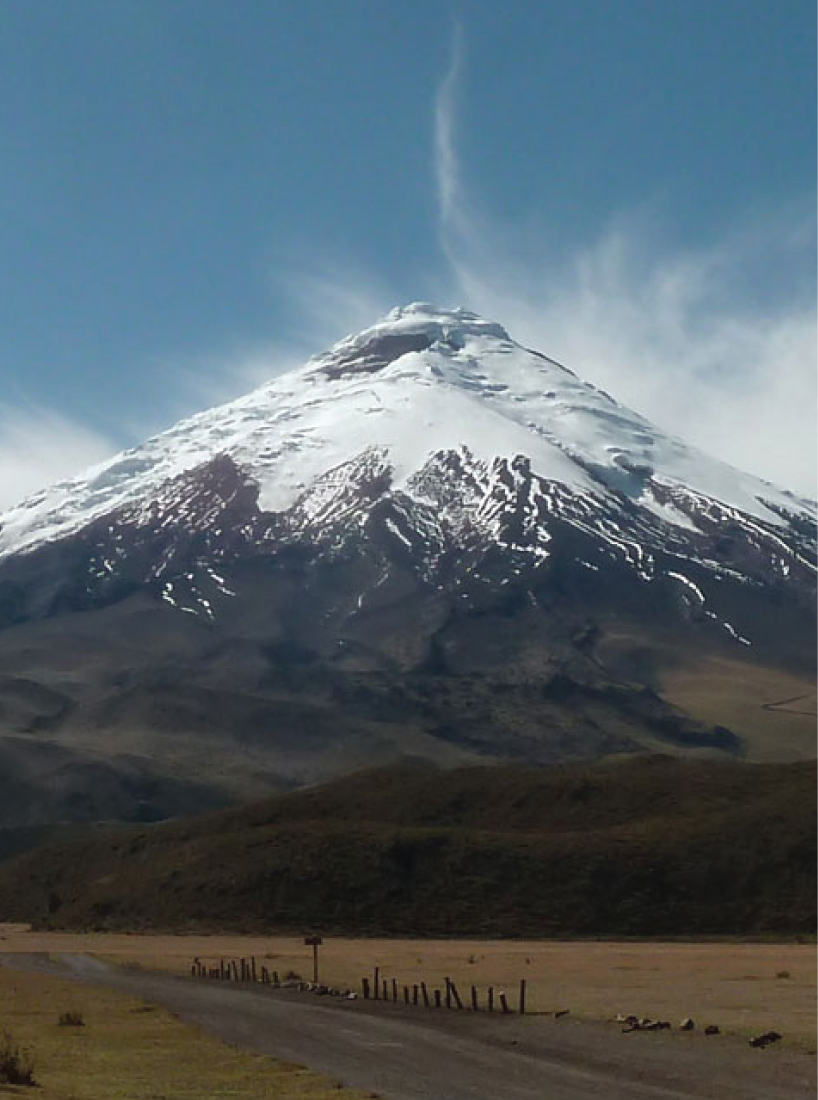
(411, 1054)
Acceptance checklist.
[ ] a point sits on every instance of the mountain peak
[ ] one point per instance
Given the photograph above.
(455, 319)
(447, 326)
(417, 327)
(422, 381)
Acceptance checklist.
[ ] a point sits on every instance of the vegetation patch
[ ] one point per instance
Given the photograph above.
(652, 846)
(16, 1063)
(126, 1053)
(71, 1019)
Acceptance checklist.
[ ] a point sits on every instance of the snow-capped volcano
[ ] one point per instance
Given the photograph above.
(428, 540)
(419, 382)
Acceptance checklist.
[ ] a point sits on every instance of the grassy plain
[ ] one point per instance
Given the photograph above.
(742, 987)
(723, 690)
(749, 701)
(128, 1050)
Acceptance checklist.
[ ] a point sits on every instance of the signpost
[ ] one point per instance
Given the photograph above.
(314, 942)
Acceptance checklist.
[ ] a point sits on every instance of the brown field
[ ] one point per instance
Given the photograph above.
(128, 1050)
(743, 987)
(721, 691)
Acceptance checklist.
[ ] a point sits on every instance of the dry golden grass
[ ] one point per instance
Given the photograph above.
(128, 1050)
(734, 985)
(727, 692)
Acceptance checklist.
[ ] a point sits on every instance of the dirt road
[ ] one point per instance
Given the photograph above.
(401, 1054)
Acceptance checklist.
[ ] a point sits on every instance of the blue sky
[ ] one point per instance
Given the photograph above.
(196, 194)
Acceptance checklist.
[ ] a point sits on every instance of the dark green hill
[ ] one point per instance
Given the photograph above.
(639, 846)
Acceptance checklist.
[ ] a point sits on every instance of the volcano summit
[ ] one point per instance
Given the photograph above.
(427, 541)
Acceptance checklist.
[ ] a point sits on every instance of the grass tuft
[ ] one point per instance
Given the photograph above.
(16, 1063)
(72, 1018)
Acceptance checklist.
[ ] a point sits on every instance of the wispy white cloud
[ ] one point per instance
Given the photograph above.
(323, 299)
(676, 334)
(446, 164)
(660, 335)
(331, 298)
(39, 447)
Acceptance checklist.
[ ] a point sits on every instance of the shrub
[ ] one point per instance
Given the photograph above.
(16, 1064)
(71, 1019)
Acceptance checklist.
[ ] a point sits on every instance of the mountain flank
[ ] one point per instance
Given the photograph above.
(640, 846)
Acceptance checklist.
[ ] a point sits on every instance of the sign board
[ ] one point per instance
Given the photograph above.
(313, 941)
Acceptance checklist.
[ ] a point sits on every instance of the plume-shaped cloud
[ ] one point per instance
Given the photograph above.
(446, 165)
(676, 334)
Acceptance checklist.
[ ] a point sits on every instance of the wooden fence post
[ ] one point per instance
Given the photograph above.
(406, 994)
(437, 998)
(376, 982)
(504, 1003)
(365, 985)
(314, 942)
(265, 975)
(456, 996)
(474, 998)
(522, 996)
(276, 980)
(491, 998)
(414, 994)
(394, 989)
(448, 993)
(425, 993)
(385, 988)
(253, 967)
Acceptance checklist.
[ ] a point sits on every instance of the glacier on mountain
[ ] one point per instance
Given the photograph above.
(420, 381)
